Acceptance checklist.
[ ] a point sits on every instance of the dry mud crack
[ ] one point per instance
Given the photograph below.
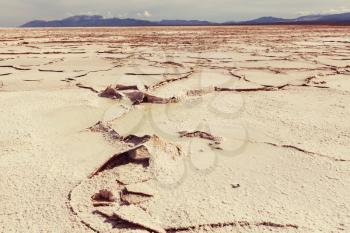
(122, 207)
(211, 129)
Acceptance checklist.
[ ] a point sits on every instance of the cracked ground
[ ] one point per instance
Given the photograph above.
(179, 129)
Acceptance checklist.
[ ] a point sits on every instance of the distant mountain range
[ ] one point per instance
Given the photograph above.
(99, 21)
(343, 18)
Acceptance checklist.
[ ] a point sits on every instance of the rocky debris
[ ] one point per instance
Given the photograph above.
(337, 71)
(140, 154)
(215, 141)
(141, 151)
(138, 97)
(136, 140)
(215, 145)
(199, 134)
(277, 225)
(111, 93)
(68, 80)
(105, 129)
(158, 100)
(135, 216)
(134, 95)
(124, 87)
(119, 159)
(309, 79)
(138, 151)
(312, 80)
(104, 195)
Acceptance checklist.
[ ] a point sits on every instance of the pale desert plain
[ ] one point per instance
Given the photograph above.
(175, 129)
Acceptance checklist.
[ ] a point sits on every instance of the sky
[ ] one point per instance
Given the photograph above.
(16, 12)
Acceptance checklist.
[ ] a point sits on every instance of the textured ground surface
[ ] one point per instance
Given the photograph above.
(238, 129)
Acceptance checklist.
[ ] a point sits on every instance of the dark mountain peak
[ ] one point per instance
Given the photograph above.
(265, 20)
(269, 18)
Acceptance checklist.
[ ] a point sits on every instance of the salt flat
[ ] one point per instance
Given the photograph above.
(175, 129)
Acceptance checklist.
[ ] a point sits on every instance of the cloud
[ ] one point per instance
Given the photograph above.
(144, 14)
(338, 10)
(109, 15)
(147, 14)
(123, 15)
